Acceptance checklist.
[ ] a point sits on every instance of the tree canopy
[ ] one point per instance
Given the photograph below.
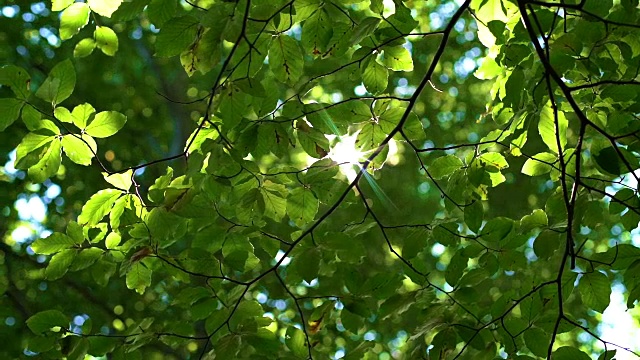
(318, 179)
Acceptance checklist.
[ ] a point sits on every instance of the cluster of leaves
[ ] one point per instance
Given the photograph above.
(259, 245)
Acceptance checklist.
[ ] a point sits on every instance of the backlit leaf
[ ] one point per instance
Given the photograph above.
(105, 124)
(98, 206)
(60, 83)
(104, 7)
(72, 19)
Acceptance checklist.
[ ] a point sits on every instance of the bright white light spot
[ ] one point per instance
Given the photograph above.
(34, 209)
(389, 7)
(437, 249)
(262, 298)
(279, 256)
(9, 11)
(345, 153)
(618, 325)
(360, 90)
(313, 282)
(21, 234)
(53, 191)
(339, 354)
(78, 320)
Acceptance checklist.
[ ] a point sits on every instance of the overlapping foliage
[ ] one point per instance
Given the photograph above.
(358, 179)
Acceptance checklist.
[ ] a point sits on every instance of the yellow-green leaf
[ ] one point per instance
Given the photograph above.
(72, 19)
(79, 148)
(52, 244)
(60, 83)
(104, 7)
(106, 40)
(17, 79)
(121, 181)
(105, 124)
(539, 164)
(48, 165)
(84, 48)
(375, 77)
(9, 111)
(98, 206)
(138, 277)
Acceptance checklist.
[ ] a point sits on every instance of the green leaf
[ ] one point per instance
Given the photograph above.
(17, 79)
(616, 161)
(607, 355)
(75, 232)
(86, 258)
(537, 219)
(377, 6)
(569, 353)
(104, 7)
(494, 159)
(48, 165)
(131, 10)
(32, 118)
(473, 215)
(456, 267)
(98, 206)
(63, 114)
(160, 11)
(60, 263)
(122, 181)
(296, 342)
(45, 320)
(60, 83)
(626, 198)
(547, 128)
(274, 204)
(138, 277)
(9, 112)
(302, 206)
(285, 59)
(539, 164)
(488, 70)
(106, 40)
(72, 19)
(84, 48)
(365, 28)
(112, 241)
(176, 35)
(81, 114)
(537, 341)
(29, 144)
(374, 76)
(595, 289)
(317, 32)
(444, 166)
(52, 244)
(228, 346)
(307, 264)
(397, 58)
(105, 124)
(79, 148)
(497, 229)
